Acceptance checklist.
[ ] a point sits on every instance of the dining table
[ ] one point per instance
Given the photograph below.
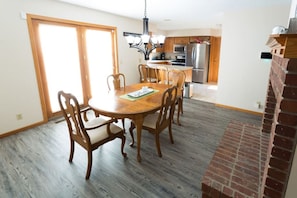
(125, 103)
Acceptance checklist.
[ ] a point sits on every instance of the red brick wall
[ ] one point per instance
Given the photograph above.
(280, 120)
(256, 162)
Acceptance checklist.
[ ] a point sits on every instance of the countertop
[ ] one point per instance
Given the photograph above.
(171, 66)
(158, 61)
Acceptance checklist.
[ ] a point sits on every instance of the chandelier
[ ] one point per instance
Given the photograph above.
(144, 43)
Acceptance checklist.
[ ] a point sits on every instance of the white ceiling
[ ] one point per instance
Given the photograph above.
(177, 14)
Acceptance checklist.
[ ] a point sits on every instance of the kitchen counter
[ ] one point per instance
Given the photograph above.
(186, 69)
(159, 62)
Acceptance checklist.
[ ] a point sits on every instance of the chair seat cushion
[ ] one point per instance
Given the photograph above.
(151, 120)
(100, 133)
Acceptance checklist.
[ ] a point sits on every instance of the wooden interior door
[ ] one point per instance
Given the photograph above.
(214, 59)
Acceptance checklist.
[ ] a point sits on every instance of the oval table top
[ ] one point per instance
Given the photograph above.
(117, 104)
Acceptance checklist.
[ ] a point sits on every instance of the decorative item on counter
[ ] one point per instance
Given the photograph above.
(279, 30)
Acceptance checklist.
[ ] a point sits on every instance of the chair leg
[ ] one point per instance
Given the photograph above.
(122, 146)
(71, 150)
(123, 122)
(132, 127)
(179, 110)
(182, 106)
(157, 139)
(170, 133)
(90, 159)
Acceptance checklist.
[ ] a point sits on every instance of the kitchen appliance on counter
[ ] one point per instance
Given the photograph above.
(197, 56)
(180, 60)
(178, 48)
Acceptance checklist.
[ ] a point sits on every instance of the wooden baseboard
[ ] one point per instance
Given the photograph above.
(239, 109)
(21, 129)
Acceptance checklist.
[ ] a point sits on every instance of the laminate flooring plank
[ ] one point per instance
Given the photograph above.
(34, 163)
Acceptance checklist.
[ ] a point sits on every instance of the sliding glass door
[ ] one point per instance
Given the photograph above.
(72, 57)
(99, 57)
(61, 62)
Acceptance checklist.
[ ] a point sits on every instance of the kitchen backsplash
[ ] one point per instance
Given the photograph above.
(168, 56)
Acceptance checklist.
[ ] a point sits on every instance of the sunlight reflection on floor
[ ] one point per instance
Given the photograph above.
(205, 92)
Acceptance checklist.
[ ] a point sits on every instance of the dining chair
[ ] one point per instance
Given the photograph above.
(157, 122)
(147, 74)
(88, 134)
(162, 75)
(177, 78)
(116, 81)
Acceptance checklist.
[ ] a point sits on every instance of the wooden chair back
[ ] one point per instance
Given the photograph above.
(116, 81)
(72, 114)
(162, 75)
(147, 74)
(177, 78)
(167, 109)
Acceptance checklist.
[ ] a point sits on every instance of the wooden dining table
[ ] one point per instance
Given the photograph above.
(117, 104)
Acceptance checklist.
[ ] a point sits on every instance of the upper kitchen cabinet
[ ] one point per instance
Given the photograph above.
(199, 39)
(168, 45)
(160, 49)
(181, 40)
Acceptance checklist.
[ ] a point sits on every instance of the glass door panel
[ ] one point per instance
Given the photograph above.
(60, 53)
(100, 59)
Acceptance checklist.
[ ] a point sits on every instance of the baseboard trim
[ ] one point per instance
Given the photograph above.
(239, 109)
(21, 129)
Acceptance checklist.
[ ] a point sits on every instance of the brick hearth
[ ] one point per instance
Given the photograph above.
(238, 163)
(255, 161)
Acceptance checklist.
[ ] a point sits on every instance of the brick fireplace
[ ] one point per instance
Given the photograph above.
(265, 170)
(280, 116)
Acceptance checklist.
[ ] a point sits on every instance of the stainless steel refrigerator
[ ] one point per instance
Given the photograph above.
(197, 56)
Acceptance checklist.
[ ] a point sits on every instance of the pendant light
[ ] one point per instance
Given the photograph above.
(144, 43)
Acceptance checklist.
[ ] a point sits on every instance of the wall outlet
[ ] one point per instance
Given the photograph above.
(258, 105)
(19, 116)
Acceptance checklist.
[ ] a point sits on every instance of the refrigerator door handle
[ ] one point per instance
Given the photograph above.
(193, 55)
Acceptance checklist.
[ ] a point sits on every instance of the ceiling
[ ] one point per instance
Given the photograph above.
(177, 14)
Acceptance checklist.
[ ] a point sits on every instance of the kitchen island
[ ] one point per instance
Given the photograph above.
(186, 69)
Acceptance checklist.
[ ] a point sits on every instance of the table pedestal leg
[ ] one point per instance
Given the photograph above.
(138, 124)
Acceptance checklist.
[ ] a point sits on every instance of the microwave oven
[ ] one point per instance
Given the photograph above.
(179, 48)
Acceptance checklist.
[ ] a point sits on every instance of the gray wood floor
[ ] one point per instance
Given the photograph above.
(35, 163)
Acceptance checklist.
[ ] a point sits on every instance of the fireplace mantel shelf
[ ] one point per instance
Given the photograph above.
(283, 45)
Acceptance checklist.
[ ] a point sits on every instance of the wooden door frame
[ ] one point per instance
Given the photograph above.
(38, 59)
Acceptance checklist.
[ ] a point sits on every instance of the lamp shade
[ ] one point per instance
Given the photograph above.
(161, 39)
(145, 38)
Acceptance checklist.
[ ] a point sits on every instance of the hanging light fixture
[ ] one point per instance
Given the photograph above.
(144, 43)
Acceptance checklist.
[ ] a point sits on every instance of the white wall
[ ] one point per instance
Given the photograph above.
(243, 76)
(18, 85)
(195, 32)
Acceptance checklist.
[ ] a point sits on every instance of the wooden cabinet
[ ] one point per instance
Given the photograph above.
(168, 46)
(160, 49)
(198, 39)
(214, 59)
(181, 40)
